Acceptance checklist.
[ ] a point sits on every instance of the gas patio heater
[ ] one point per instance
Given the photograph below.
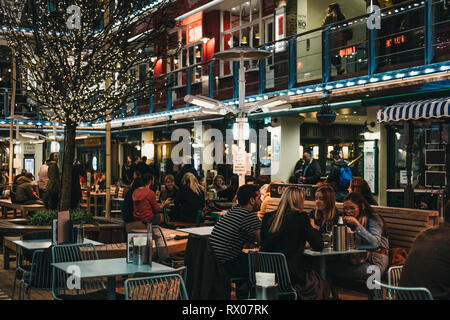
(209, 105)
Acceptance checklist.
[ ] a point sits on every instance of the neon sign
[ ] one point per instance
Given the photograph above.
(395, 41)
(347, 52)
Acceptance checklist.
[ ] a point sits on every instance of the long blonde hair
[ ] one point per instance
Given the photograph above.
(291, 199)
(190, 180)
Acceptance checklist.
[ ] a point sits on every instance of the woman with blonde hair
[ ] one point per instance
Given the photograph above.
(287, 230)
(190, 198)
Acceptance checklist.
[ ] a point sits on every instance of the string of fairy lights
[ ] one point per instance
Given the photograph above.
(77, 75)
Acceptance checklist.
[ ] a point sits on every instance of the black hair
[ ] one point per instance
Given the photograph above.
(144, 159)
(249, 179)
(308, 151)
(136, 183)
(246, 192)
(335, 154)
(52, 156)
(146, 178)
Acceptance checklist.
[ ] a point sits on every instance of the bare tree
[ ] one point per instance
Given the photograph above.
(77, 59)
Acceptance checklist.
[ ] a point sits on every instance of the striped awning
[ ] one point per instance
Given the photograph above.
(424, 109)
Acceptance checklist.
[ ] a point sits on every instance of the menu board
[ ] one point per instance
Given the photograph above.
(369, 164)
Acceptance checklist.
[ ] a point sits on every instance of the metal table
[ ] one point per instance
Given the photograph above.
(111, 268)
(199, 231)
(329, 252)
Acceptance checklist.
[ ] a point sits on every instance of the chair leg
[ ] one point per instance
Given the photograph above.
(14, 284)
(334, 292)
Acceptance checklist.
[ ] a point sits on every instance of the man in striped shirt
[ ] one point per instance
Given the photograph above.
(237, 227)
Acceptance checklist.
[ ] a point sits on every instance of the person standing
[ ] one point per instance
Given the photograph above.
(311, 170)
(338, 39)
(340, 176)
(127, 171)
(240, 225)
(53, 186)
(43, 181)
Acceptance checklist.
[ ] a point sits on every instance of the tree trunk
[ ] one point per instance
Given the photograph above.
(69, 155)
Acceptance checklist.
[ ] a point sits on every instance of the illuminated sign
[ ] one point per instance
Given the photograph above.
(347, 51)
(194, 25)
(395, 41)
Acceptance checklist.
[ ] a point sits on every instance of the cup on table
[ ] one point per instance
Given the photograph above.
(97, 188)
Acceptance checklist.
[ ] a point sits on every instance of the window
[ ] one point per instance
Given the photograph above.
(241, 26)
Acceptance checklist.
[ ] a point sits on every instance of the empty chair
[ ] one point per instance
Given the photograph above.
(401, 293)
(89, 288)
(161, 248)
(39, 277)
(272, 262)
(25, 256)
(161, 287)
(394, 274)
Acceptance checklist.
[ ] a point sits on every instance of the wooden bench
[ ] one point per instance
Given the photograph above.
(403, 225)
(23, 208)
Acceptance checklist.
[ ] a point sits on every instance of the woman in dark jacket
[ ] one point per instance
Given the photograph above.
(287, 230)
(190, 199)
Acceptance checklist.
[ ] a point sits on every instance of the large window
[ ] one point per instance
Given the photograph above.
(241, 26)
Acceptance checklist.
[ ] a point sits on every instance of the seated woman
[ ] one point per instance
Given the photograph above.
(369, 230)
(218, 184)
(190, 199)
(145, 207)
(361, 186)
(170, 192)
(325, 214)
(286, 230)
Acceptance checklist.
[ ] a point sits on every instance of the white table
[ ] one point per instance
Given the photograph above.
(199, 231)
(111, 268)
(329, 252)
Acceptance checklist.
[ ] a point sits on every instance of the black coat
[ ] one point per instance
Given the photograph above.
(290, 240)
(186, 168)
(188, 203)
(313, 172)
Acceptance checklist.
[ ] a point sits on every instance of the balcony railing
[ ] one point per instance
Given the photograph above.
(411, 34)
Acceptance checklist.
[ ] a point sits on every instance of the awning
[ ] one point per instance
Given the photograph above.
(424, 109)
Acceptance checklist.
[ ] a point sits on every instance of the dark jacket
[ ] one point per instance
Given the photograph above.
(142, 167)
(53, 185)
(127, 207)
(164, 195)
(188, 203)
(335, 173)
(24, 191)
(313, 172)
(290, 240)
(127, 173)
(428, 262)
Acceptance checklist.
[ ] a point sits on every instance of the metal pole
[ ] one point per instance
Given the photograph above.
(241, 141)
(11, 123)
(409, 193)
(108, 165)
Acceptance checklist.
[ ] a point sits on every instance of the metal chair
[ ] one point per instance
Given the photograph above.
(89, 288)
(400, 293)
(161, 287)
(39, 277)
(161, 248)
(24, 257)
(273, 262)
(394, 274)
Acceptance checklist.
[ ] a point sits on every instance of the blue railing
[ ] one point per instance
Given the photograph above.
(411, 35)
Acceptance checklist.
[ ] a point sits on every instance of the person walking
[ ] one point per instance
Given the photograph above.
(311, 170)
(53, 186)
(76, 187)
(127, 171)
(340, 176)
